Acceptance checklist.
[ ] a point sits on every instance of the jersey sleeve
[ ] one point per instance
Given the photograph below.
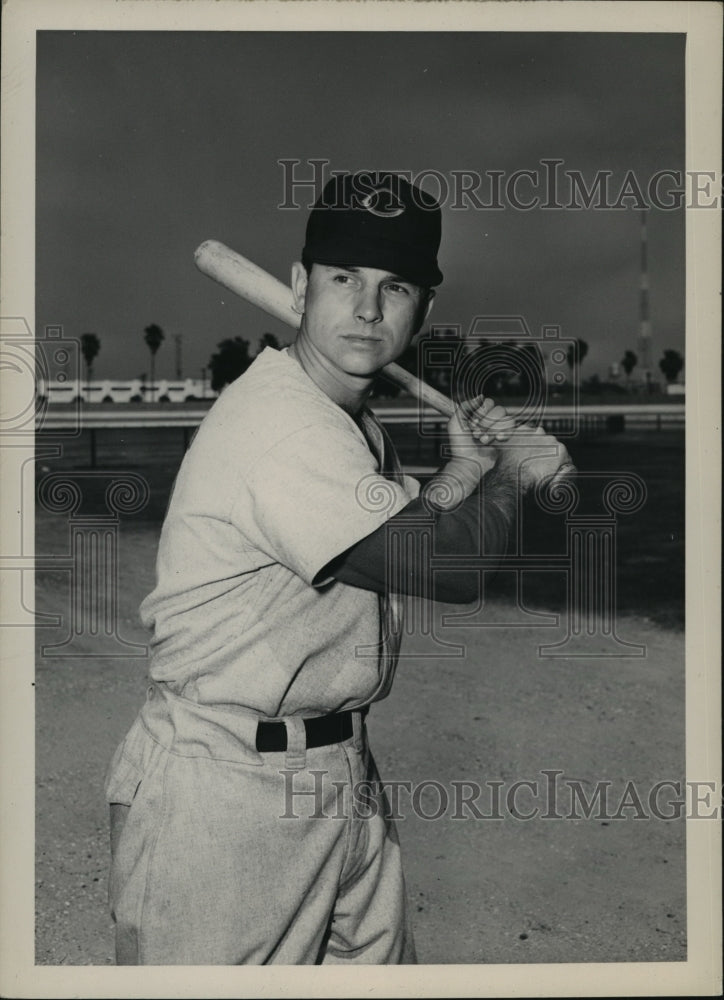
(313, 495)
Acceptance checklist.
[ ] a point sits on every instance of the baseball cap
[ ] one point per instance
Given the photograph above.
(376, 220)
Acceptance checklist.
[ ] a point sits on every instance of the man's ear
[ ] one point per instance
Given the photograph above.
(299, 286)
(423, 309)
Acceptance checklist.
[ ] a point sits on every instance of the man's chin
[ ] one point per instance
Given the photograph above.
(366, 373)
(363, 365)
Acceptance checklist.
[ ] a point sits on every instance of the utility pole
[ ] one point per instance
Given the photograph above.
(644, 343)
(178, 338)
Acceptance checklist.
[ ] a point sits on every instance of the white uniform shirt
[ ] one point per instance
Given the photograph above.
(278, 481)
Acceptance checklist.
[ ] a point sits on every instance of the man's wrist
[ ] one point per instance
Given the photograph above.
(453, 484)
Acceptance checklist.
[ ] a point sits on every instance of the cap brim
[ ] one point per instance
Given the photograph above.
(398, 260)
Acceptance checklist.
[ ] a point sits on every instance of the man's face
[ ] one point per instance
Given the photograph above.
(357, 319)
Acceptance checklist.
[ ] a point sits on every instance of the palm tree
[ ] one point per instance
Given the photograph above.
(575, 355)
(90, 345)
(269, 340)
(628, 363)
(230, 361)
(154, 338)
(671, 364)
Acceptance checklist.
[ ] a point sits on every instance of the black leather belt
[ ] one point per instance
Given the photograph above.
(271, 737)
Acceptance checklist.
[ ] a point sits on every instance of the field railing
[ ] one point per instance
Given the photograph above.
(650, 416)
(564, 421)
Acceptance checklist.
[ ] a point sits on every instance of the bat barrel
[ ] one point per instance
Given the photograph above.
(247, 280)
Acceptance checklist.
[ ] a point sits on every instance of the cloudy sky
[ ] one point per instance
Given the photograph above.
(150, 142)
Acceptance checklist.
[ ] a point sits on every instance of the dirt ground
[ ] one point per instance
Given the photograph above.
(608, 888)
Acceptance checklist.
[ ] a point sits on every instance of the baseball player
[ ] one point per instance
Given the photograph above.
(275, 626)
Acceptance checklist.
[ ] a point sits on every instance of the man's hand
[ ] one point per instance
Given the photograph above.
(476, 424)
(529, 457)
(485, 441)
(488, 422)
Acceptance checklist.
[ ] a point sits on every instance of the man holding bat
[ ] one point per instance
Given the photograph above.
(275, 623)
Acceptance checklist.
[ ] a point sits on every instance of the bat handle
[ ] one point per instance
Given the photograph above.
(423, 392)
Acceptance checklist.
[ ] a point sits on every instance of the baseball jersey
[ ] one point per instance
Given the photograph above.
(278, 481)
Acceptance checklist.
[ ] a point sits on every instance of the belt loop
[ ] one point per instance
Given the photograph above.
(358, 731)
(296, 757)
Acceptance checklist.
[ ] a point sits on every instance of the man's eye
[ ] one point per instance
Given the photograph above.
(394, 287)
(342, 279)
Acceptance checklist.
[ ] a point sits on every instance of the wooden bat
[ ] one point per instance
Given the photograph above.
(260, 288)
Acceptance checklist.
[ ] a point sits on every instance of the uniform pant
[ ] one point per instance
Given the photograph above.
(220, 862)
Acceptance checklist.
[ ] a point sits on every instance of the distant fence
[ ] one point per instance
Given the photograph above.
(613, 417)
(564, 421)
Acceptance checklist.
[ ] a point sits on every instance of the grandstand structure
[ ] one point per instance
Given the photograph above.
(134, 390)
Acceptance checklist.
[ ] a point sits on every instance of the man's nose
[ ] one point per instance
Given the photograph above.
(368, 305)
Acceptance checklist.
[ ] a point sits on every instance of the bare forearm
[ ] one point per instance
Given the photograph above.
(471, 537)
(458, 479)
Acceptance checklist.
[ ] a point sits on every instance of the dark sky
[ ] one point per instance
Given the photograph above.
(150, 142)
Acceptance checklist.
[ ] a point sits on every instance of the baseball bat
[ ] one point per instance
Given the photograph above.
(262, 289)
